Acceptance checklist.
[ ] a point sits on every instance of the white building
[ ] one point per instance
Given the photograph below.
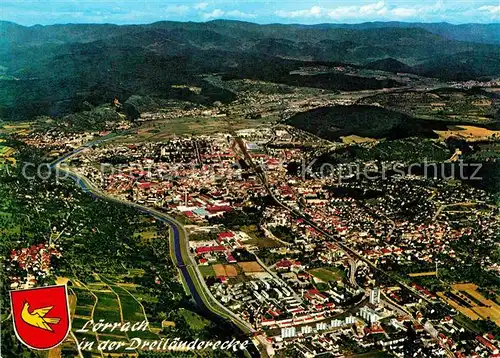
(350, 320)
(337, 323)
(278, 292)
(375, 296)
(321, 326)
(368, 314)
(306, 329)
(288, 332)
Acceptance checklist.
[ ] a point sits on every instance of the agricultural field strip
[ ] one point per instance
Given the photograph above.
(471, 303)
(143, 310)
(73, 336)
(93, 309)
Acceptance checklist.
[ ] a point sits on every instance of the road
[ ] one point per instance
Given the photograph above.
(276, 277)
(464, 203)
(261, 174)
(395, 306)
(350, 252)
(353, 267)
(184, 261)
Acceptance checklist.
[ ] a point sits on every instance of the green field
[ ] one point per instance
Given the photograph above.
(132, 311)
(373, 355)
(328, 274)
(84, 297)
(107, 307)
(83, 313)
(15, 127)
(147, 235)
(207, 271)
(264, 242)
(85, 302)
(163, 129)
(9, 224)
(195, 321)
(3, 150)
(10, 229)
(79, 323)
(114, 338)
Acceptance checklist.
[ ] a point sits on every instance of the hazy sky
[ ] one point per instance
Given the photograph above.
(30, 12)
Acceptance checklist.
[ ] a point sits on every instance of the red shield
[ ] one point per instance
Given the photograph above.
(41, 316)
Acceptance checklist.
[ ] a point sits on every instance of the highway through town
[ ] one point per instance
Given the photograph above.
(350, 252)
(353, 254)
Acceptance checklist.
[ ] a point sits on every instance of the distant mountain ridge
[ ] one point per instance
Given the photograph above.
(473, 32)
(58, 67)
(480, 33)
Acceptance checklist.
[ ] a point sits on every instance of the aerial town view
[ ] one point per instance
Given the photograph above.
(250, 179)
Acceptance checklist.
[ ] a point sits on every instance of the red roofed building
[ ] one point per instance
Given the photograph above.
(274, 313)
(219, 208)
(268, 322)
(227, 234)
(315, 296)
(374, 329)
(144, 185)
(490, 346)
(206, 249)
(222, 279)
(283, 265)
(330, 305)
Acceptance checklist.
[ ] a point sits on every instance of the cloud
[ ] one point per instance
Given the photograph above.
(29, 12)
(240, 14)
(491, 9)
(379, 10)
(372, 8)
(218, 13)
(404, 12)
(344, 12)
(177, 9)
(213, 14)
(336, 13)
(201, 6)
(314, 11)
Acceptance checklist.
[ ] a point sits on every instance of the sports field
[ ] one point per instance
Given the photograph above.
(225, 270)
(251, 267)
(326, 275)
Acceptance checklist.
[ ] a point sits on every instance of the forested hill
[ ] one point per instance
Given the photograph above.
(481, 33)
(54, 69)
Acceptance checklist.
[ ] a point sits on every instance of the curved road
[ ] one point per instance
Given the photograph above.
(190, 273)
(184, 261)
(261, 174)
